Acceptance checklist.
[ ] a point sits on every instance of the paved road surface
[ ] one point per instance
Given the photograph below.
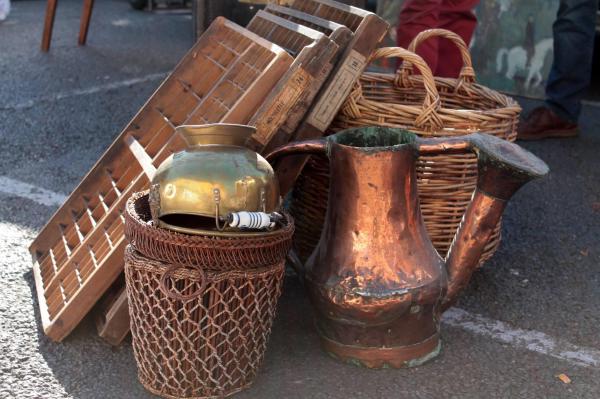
(532, 313)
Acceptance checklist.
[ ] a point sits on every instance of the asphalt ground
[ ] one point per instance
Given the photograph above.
(532, 313)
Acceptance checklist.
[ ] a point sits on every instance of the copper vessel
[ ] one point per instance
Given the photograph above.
(376, 281)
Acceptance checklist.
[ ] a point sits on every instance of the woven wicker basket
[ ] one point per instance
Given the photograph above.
(199, 334)
(431, 107)
(200, 329)
(209, 252)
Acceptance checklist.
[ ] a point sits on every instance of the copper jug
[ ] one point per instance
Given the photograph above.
(375, 280)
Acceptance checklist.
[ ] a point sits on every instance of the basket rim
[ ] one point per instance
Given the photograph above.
(158, 392)
(505, 103)
(174, 237)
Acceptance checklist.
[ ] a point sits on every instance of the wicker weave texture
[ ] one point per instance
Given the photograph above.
(210, 253)
(309, 205)
(431, 107)
(212, 343)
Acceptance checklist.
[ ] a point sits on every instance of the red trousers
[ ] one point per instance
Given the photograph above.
(454, 15)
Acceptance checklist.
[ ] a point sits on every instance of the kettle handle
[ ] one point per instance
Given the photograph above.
(305, 147)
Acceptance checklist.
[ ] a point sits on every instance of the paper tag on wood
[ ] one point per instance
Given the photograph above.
(299, 110)
(339, 88)
(274, 117)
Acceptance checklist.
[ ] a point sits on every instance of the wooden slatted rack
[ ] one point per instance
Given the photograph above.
(339, 34)
(224, 78)
(314, 58)
(369, 30)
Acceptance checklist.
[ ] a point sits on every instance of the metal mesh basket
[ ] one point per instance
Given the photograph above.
(209, 252)
(199, 334)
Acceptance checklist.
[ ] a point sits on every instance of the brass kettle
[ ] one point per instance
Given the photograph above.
(193, 190)
(376, 281)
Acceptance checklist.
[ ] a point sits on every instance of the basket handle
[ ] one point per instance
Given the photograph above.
(174, 295)
(431, 103)
(467, 73)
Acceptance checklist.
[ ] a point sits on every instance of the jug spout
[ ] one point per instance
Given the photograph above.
(503, 168)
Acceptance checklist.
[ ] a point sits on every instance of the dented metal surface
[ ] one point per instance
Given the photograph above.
(375, 279)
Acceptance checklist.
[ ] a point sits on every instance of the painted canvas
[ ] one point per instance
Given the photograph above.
(512, 47)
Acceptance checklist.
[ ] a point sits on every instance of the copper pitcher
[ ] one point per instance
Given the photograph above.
(376, 281)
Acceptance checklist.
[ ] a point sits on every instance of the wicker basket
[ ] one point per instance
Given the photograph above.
(209, 252)
(200, 328)
(431, 107)
(199, 334)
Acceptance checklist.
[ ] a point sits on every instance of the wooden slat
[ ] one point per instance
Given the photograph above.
(141, 156)
(341, 13)
(319, 24)
(70, 274)
(369, 30)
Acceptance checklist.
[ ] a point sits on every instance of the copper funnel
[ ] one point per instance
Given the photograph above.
(376, 281)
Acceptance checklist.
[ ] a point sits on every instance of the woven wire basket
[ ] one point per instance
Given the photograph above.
(431, 107)
(199, 334)
(209, 252)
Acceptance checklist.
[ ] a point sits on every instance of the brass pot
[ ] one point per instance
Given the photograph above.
(194, 189)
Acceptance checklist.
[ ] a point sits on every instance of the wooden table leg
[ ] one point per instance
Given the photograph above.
(86, 15)
(48, 24)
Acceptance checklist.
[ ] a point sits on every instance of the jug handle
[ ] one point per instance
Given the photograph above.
(503, 167)
(305, 147)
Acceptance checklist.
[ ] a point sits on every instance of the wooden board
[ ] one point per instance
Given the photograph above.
(338, 33)
(225, 77)
(314, 54)
(112, 314)
(369, 30)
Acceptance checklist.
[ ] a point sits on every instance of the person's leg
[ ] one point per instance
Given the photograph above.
(456, 16)
(4, 9)
(574, 32)
(416, 16)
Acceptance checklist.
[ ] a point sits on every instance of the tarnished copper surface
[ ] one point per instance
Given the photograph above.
(397, 357)
(376, 281)
(503, 168)
(475, 230)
